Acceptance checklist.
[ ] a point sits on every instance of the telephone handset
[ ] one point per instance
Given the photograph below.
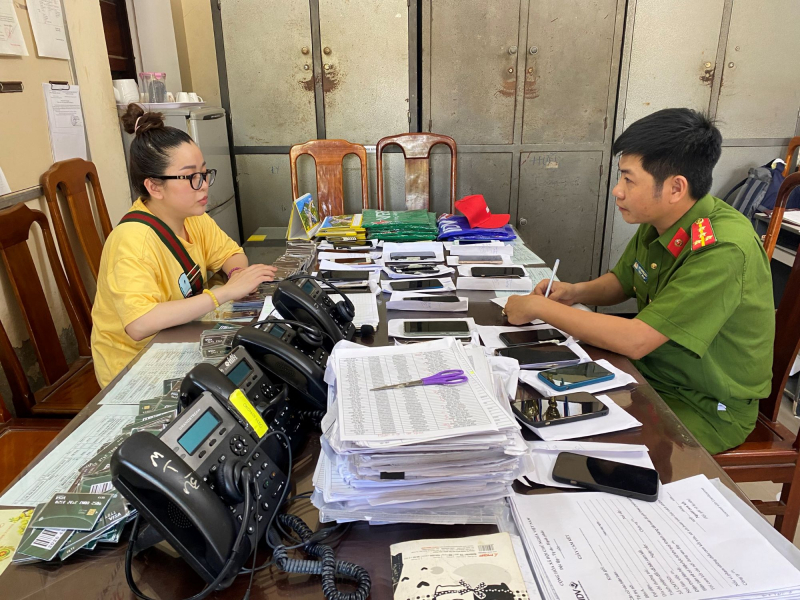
(204, 481)
(278, 351)
(301, 298)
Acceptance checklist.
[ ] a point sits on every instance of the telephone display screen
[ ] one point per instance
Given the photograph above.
(197, 433)
(277, 331)
(239, 373)
(308, 287)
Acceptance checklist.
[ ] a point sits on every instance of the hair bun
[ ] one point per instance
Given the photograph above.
(137, 121)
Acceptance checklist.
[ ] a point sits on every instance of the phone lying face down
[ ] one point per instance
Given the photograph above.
(608, 476)
(574, 376)
(542, 412)
(540, 356)
(436, 328)
(533, 336)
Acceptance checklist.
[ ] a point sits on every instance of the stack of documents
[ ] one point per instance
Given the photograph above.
(405, 455)
(692, 543)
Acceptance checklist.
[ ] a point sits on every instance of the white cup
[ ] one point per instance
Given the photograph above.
(183, 97)
(194, 97)
(128, 90)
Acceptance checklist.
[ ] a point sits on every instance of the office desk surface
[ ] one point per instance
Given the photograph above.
(100, 574)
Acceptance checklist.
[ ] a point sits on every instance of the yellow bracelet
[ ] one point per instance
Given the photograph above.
(213, 297)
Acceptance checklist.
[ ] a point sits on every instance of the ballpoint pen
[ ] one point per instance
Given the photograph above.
(553, 278)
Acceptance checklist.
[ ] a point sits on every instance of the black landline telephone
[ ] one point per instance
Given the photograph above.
(206, 483)
(301, 298)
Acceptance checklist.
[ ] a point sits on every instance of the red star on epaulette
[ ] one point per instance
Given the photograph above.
(702, 234)
(678, 242)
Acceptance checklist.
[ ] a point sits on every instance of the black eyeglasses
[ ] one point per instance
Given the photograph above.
(195, 179)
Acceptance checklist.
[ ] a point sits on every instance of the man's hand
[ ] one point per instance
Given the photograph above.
(521, 310)
(565, 293)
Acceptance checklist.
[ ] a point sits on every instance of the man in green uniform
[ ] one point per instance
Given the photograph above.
(704, 333)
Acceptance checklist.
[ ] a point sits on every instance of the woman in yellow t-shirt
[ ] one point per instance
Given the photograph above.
(142, 286)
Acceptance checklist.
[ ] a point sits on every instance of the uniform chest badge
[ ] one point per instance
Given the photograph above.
(702, 234)
(678, 242)
(640, 270)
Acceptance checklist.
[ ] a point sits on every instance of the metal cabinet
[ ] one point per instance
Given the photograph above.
(560, 191)
(567, 71)
(296, 70)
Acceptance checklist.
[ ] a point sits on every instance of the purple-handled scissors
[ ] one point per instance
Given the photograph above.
(450, 377)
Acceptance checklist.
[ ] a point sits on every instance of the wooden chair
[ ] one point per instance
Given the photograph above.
(771, 451)
(774, 227)
(68, 388)
(417, 152)
(328, 156)
(21, 440)
(70, 177)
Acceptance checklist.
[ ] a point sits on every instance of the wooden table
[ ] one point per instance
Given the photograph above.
(100, 574)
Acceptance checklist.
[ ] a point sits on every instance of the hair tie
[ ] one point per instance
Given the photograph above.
(136, 125)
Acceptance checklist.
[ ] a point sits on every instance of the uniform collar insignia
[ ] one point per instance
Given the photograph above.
(678, 242)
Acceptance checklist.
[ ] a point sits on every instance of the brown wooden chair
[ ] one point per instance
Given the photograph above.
(68, 388)
(328, 156)
(771, 451)
(21, 440)
(417, 152)
(774, 227)
(70, 176)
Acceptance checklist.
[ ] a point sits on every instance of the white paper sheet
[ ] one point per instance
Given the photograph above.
(49, 31)
(617, 419)
(523, 255)
(366, 308)
(334, 256)
(146, 378)
(519, 285)
(396, 327)
(688, 544)
(621, 379)
(501, 302)
(544, 455)
(420, 412)
(56, 472)
(65, 118)
(402, 301)
(454, 260)
(493, 247)
(11, 40)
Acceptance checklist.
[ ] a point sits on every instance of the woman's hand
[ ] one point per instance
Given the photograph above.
(245, 281)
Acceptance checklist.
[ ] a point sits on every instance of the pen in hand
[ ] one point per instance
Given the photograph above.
(550, 283)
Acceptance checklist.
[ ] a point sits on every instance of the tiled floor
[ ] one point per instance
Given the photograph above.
(768, 490)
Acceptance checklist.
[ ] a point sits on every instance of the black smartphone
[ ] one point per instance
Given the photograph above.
(411, 255)
(540, 356)
(567, 377)
(433, 298)
(345, 275)
(534, 336)
(608, 476)
(353, 244)
(414, 268)
(542, 412)
(415, 284)
(436, 328)
(497, 272)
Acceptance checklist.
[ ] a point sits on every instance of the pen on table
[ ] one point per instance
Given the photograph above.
(550, 283)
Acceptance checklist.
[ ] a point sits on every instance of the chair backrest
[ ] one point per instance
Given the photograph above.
(774, 227)
(328, 156)
(70, 176)
(417, 152)
(15, 227)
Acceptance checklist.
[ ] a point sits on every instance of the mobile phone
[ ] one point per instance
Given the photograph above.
(416, 268)
(352, 244)
(569, 408)
(345, 275)
(411, 255)
(415, 284)
(497, 272)
(353, 261)
(567, 378)
(336, 250)
(487, 259)
(540, 356)
(534, 336)
(433, 298)
(436, 328)
(608, 476)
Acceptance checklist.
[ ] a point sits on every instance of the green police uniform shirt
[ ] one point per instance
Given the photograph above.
(705, 283)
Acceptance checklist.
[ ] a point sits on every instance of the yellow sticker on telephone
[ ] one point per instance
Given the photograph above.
(250, 414)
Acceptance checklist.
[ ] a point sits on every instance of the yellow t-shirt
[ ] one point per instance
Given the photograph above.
(137, 271)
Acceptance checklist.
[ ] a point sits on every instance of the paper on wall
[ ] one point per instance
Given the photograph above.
(49, 31)
(11, 40)
(4, 187)
(65, 118)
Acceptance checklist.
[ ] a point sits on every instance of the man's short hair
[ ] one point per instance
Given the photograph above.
(674, 141)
